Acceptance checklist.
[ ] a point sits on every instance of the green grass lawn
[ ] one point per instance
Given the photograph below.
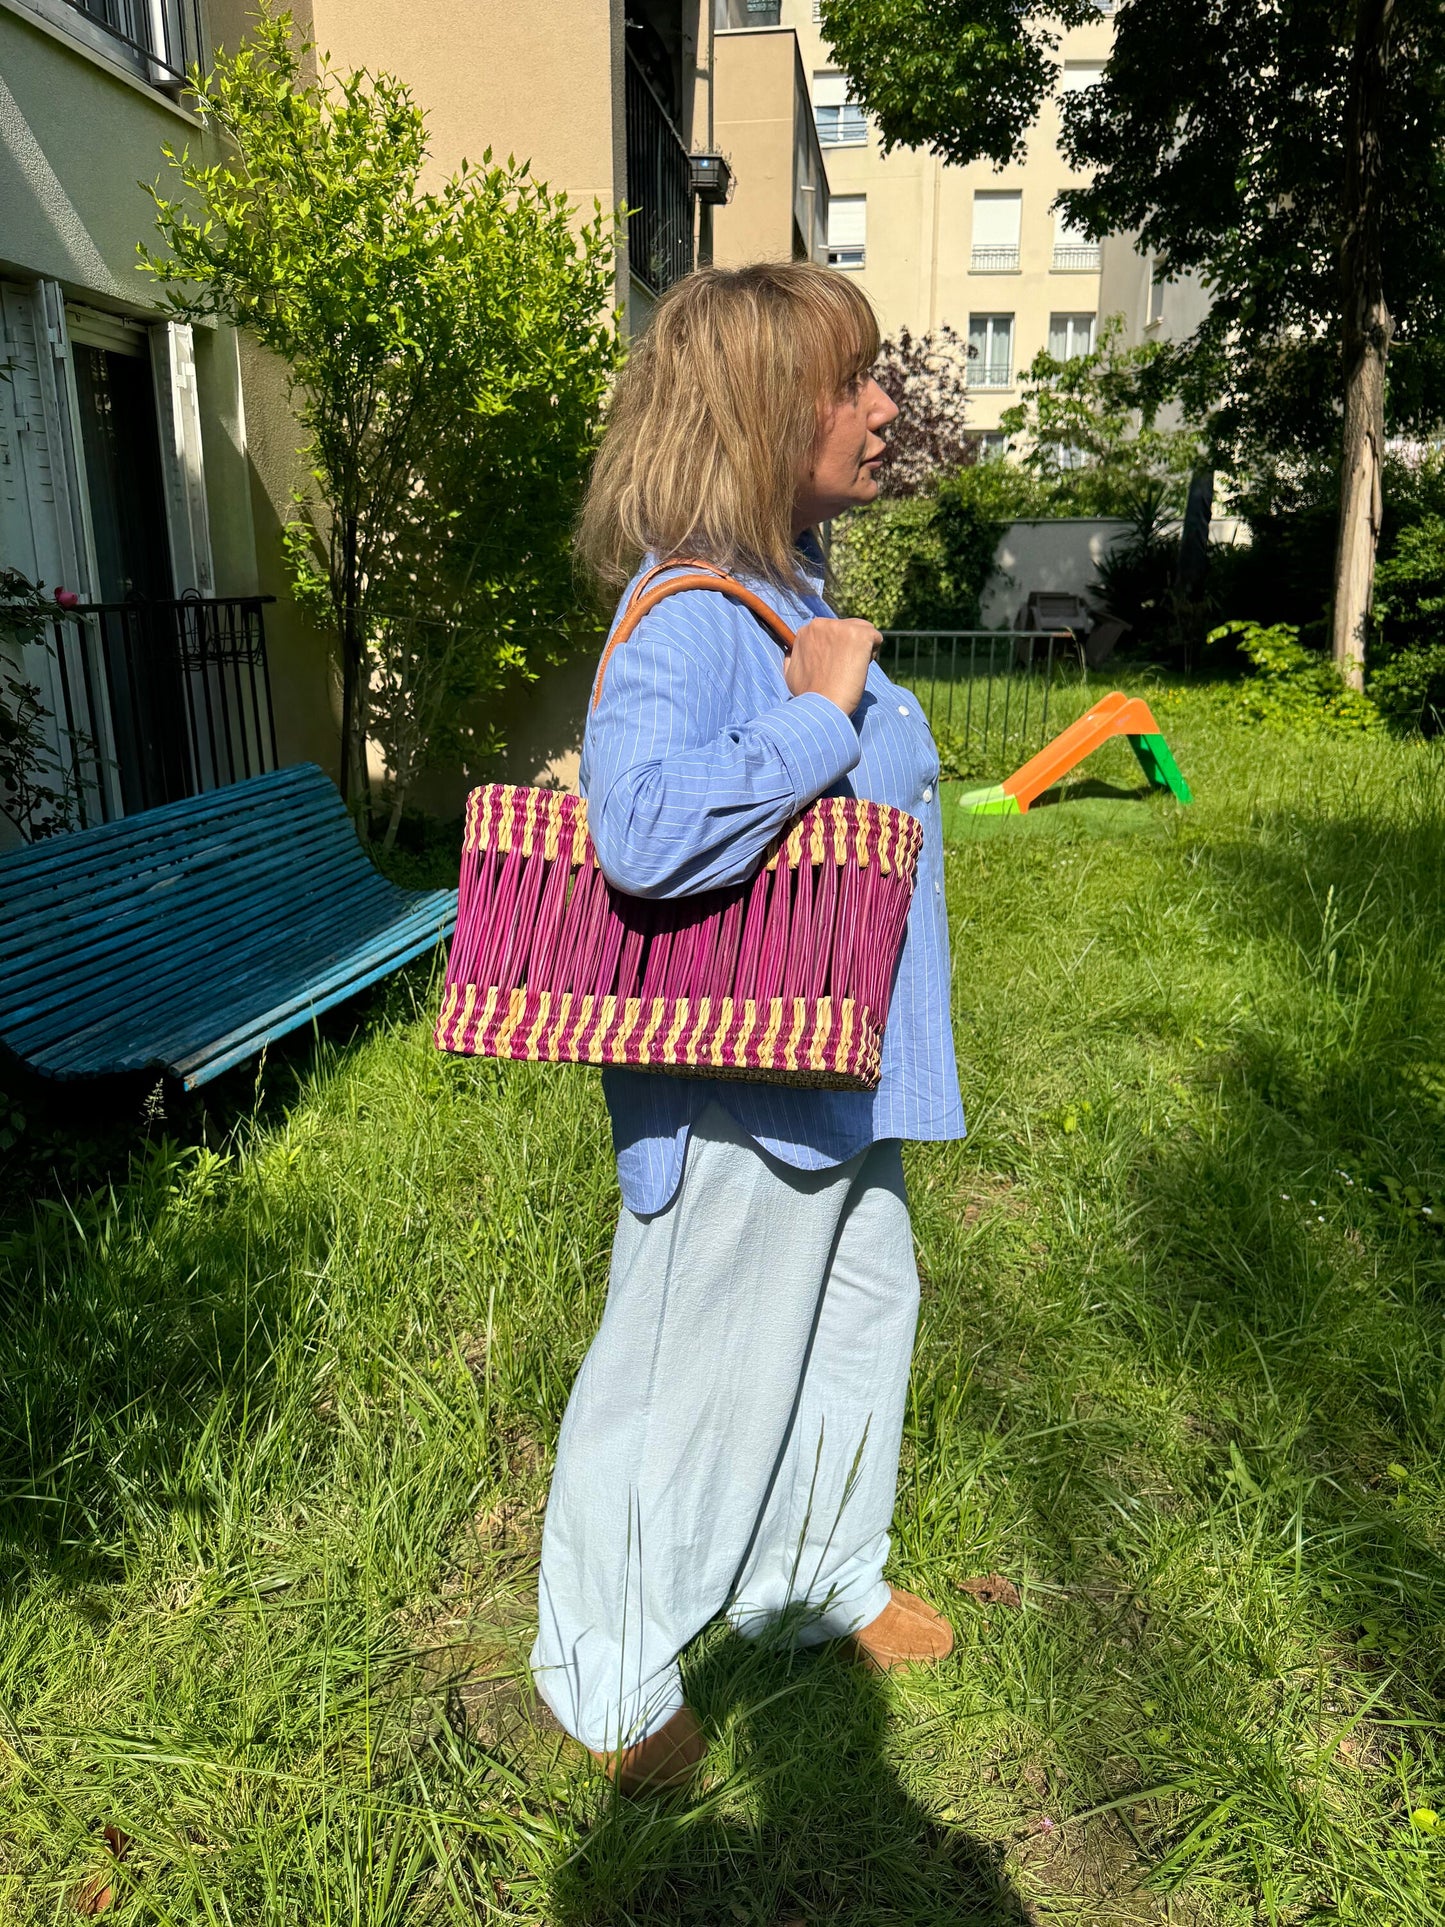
(280, 1377)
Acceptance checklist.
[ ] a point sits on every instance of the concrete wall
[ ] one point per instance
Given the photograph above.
(1062, 554)
(754, 117)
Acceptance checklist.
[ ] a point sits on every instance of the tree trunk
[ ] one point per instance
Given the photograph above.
(353, 690)
(1366, 340)
(398, 803)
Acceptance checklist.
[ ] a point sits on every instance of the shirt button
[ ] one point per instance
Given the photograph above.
(938, 889)
(928, 793)
(903, 709)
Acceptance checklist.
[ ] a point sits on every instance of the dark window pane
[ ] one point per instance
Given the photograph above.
(123, 473)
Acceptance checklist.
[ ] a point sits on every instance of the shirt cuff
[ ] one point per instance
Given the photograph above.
(816, 741)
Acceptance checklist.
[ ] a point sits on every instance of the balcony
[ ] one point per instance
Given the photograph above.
(659, 189)
(1077, 257)
(994, 261)
(991, 374)
(161, 700)
(159, 40)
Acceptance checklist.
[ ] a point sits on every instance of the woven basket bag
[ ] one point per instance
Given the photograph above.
(783, 979)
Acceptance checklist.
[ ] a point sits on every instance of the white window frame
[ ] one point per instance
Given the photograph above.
(992, 251)
(839, 119)
(992, 369)
(846, 249)
(1077, 339)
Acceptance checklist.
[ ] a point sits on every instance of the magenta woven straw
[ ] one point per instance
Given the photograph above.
(784, 978)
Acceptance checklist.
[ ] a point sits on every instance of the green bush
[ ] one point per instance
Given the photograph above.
(918, 563)
(1293, 688)
(1409, 689)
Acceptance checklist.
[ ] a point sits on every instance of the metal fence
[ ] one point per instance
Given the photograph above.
(160, 700)
(992, 697)
(659, 188)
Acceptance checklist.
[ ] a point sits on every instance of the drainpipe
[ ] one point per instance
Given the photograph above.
(704, 71)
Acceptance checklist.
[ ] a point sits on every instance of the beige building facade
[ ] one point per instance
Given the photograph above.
(972, 248)
(148, 468)
(124, 477)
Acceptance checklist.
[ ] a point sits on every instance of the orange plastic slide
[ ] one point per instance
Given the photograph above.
(1116, 715)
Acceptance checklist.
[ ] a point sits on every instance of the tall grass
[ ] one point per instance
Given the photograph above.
(278, 1396)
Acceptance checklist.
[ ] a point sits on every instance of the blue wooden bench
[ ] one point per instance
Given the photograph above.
(187, 937)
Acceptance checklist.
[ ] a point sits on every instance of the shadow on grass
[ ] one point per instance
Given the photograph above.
(807, 1819)
(129, 1308)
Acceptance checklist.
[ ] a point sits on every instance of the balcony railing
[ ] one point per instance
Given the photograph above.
(659, 189)
(845, 126)
(159, 39)
(990, 374)
(1082, 258)
(161, 700)
(994, 261)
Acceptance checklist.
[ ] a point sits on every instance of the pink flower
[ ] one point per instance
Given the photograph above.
(1046, 1825)
(67, 598)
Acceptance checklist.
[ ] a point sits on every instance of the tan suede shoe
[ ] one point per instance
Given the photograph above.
(908, 1632)
(665, 1759)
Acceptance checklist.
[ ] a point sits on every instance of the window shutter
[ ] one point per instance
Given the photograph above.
(997, 219)
(182, 460)
(1079, 74)
(830, 90)
(848, 221)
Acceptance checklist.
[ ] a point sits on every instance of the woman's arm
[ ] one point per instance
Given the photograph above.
(682, 797)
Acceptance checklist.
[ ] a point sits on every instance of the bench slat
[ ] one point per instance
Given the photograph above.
(309, 873)
(95, 993)
(190, 936)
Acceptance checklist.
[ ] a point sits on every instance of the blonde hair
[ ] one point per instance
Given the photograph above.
(715, 415)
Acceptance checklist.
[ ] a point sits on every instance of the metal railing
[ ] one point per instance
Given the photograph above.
(659, 188)
(160, 700)
(989, 374)
(1083, 258)
(988, 694)
(994, 261)
(161, 39)
(844, 126)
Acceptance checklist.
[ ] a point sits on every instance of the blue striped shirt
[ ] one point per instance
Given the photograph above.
(694, 758)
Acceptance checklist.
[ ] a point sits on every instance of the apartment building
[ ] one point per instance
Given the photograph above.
(976, 249)
(123, 469)
(148, 468)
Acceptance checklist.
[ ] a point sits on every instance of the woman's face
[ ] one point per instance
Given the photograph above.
(842, 470)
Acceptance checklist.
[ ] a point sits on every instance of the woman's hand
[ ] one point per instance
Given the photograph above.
(830, 657)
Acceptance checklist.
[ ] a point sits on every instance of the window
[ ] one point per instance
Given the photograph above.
(124, 480)
(1156, 295)
(991, 444)
(990, 350)
(996, 222)
(847, 230)
(156, 39)
(839, 120)
(1079, 74)
(1070, 335)
(1074, 252)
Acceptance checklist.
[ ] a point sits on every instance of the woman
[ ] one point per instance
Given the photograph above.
(731, 1443)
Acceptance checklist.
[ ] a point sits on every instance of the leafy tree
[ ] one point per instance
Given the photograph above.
(926, 375)
(1290, 153)
(448, 350)
(1100, 411)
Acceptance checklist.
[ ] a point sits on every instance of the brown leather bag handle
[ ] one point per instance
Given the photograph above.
(643, 600)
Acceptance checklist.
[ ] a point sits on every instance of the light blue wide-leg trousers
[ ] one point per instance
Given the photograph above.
(731, 1443)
